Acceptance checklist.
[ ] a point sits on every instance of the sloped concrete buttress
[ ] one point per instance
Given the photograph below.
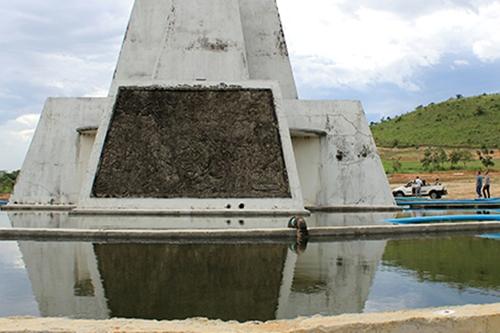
(350, 170)
(58, 155)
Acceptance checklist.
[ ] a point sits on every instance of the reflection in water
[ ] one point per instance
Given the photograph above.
(333, 278)
(462, 261)
(252, 281)
(65, 279)
(229, 282)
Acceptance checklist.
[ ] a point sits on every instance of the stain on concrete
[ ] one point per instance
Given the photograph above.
(201, 142)
(365, 152)
(216, 45)
(340, 156)
(280, 37)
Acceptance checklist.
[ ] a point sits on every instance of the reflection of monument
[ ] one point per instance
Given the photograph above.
(333, 278)
(203, 116)
(170, 281)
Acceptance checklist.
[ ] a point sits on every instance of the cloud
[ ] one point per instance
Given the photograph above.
(69, 48)
(15, 136)
(54, 48)
(461, 62)
(359, 44)
(487, 50)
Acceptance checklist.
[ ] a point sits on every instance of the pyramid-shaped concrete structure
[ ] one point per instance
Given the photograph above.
(203, 117)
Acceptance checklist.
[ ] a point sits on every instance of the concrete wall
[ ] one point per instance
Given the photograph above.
(223, 40)
(267, 53)
(86, 143)
(276, 205)
(51, 173)
(183, 40)
(307, 150)
(351, 169)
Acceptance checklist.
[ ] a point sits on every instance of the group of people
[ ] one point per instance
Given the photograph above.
(483, 185)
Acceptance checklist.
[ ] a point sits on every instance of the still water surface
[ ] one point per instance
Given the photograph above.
(245, 281)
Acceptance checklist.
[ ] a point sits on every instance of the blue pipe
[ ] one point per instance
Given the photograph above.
(450, 202)
(490, 236)
(445, 218)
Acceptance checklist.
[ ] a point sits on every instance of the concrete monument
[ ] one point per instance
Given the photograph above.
(202, 117)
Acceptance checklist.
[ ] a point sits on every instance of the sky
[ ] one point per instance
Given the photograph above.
(393, 55)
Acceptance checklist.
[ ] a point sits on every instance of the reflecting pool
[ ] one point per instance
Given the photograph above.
(240, 281)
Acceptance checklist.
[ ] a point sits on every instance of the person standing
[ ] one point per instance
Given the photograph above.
(418, 186)
(486, 188)
(479, 184)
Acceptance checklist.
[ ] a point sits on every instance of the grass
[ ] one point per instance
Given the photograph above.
(464, 122)
(416, 166)
(410, 161)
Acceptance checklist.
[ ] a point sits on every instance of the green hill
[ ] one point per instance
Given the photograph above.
(462, 122)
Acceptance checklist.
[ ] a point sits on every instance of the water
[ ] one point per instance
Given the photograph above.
(241, 281)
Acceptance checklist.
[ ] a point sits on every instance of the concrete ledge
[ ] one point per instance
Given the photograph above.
(356, 209)
(54, 208)
(466, 319)
(261, 235)
(187, 212)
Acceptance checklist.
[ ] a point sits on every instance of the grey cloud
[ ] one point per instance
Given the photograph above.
(414, 8)
(86, 35)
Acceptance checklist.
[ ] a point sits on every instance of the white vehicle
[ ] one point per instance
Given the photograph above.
(435, 191)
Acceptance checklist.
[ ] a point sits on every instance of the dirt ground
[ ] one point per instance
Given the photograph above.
(4, 196)
(460, 185)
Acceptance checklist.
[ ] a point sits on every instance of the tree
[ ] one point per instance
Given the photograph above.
(7, 181)
(457, 156)
(454, 158)
(396, 165)
(441, 158)
(426, 161)
(434, 158)
(466, 157)
(486, 157)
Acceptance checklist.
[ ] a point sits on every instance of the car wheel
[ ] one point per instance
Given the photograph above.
(434, 195)
(399, 194)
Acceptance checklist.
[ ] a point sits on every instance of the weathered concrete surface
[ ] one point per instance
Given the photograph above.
(346, 165)
(200, 143)
(182, 204)
(57, 159)
(183, 41)
(218, 40)
(466, 319)
(266, 48)
(222, 41)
